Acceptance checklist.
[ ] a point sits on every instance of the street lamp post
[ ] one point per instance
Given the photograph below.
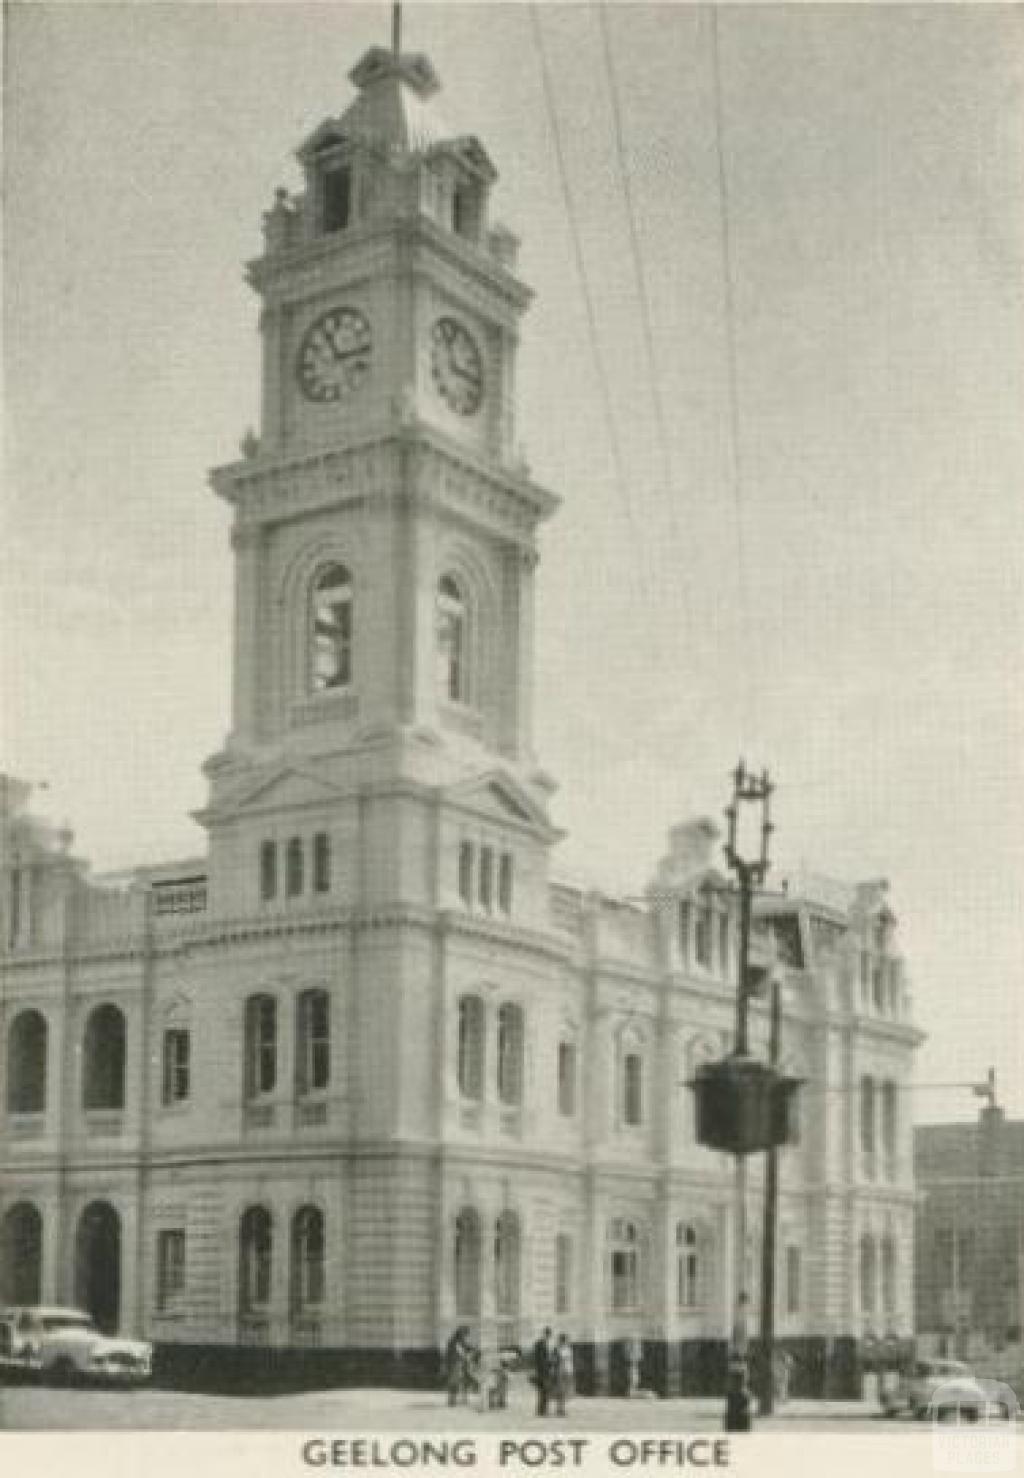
(748, 789)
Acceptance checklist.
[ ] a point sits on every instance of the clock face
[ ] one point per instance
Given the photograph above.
(334, 356)
(456, 366)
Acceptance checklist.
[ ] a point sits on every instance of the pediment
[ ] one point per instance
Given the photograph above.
(285, 788)
(498, 796)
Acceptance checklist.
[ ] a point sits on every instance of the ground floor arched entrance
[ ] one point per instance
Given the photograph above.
(98, 1264)
(21, 1255)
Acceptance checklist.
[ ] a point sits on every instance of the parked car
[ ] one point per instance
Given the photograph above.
(65, 1345)
(944, 1390)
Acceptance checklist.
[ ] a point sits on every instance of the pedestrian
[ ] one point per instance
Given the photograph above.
(634, 1357)
(544, 1370)
(782, 1371)
(458, 1358)
(563, 1373)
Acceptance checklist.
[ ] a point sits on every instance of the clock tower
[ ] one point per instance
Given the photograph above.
(384, 522)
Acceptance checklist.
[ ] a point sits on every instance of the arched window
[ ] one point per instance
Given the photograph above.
(510, 1054)
(890, 1105)
(26, 1064)
(567, 1078)
(294, 869)
(624, 1254)
(260, 1045)
(313, 1041)
(467, 1263)
(563, 1273)
(466, 851)
(255, 1252)
(632, 1089)
(868, 1273)
(793, 1280)
(506, 1264)
(452, 641)
(867, 1114)
(332, 621)
(888, 1273)
(104, 1059)
(307, 1258)
(687, 1266)
(268, 870)
(471, 1047)
(21, 1255)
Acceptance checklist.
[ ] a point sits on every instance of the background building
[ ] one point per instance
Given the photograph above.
(969, 1280)
(369, 1067)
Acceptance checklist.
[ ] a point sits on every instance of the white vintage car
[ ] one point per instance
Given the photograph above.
(65, 1345)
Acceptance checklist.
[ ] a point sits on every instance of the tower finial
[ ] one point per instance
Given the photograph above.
(396, 28)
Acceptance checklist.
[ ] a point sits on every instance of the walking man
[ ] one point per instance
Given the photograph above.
(544, 1368)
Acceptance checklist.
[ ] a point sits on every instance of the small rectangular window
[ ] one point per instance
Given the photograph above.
(486, 877)
(14, 938)
(633, 1089)
(294, 861)
(567, 1078)
(792, 1280)
(177, 1065)
(466, 872)
(170, 1266)
(268, 871)
(685, 914)
(505, 882)
(321, 862)
(337, 198)
(563, 1273)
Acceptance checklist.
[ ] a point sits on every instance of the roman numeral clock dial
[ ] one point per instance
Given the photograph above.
(334, 356)
(456, 366)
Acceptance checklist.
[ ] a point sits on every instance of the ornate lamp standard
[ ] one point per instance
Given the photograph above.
(742, 1103)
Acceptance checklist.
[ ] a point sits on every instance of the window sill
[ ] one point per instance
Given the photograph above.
(26, 1125)
(332, 704)
(104, 1123)
(260, 1115)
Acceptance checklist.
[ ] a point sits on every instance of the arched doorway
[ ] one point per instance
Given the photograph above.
(21, 1255)
(98, 1264)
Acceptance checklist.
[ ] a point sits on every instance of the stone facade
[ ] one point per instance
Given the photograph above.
(369, 1067)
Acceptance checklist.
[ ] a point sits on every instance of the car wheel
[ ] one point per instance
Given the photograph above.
(63, 1372)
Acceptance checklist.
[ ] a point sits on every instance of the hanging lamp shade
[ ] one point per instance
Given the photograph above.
(743, 1105)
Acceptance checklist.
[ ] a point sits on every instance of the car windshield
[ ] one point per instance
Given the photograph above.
(53, 1322)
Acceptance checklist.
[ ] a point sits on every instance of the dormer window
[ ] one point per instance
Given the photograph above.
(336, 198)
(466, 210)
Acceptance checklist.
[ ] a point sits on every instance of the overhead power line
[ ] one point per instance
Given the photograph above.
(621, 484)
(643, 288)
(746, 658)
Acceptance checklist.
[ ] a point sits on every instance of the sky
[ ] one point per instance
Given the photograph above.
(848, 610)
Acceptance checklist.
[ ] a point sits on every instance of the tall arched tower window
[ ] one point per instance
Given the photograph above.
(255, 1258)
(506, 1264)
(307, 1258)
(467, 1262)
(332, 628)
(452, 640)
